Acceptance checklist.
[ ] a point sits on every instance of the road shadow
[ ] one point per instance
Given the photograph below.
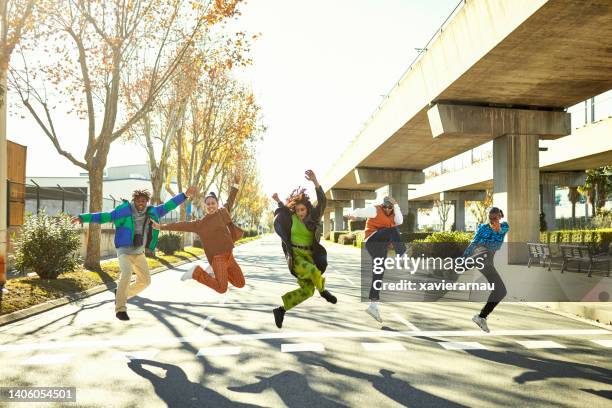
(176, 390)
(291, 387)
(541, 368)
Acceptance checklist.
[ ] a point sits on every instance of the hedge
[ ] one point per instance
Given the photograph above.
(346, 239)
(600, 238)
(336, 234)
(442, 244)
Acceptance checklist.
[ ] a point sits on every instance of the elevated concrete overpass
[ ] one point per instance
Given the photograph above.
(562, 164)
(500, 70)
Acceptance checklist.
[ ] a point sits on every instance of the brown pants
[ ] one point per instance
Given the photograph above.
(225, 268)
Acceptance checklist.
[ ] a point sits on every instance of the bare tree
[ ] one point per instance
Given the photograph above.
(101, 51)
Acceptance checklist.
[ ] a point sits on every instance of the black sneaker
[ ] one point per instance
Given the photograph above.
(326, 294)
(279, 315)
(122, 316)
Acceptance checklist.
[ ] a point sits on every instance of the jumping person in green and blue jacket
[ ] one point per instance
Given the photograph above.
(132, 233)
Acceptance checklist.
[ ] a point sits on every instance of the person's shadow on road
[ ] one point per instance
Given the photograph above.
(176, 390)
(292, 388)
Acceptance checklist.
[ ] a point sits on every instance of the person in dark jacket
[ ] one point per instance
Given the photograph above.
(297, 222)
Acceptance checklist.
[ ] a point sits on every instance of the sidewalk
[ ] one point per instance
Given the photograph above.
(540, 287)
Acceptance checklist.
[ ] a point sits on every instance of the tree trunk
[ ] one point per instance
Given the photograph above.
(92, 258)
(157, 183)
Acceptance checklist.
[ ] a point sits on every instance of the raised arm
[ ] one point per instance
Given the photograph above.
(231, 199)
(173, 203)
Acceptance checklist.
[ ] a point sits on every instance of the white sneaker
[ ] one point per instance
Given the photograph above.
(481, 322)
(372, 310)
(189, 274)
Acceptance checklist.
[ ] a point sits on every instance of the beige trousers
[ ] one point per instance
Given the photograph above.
(125, 289)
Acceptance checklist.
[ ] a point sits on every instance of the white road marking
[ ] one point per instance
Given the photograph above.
(206, 323)
(219, 351)
(605, 343)
(47, 359)
(540, 344)
(91, 344)
(406, 322)
(297, 347)
(462, 345)
(383, 346)
(136, 355)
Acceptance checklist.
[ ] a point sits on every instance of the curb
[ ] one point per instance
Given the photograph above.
(55, 303)
(598, 312)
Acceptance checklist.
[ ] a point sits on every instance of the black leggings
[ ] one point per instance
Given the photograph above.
(498, 292)
(377, 246)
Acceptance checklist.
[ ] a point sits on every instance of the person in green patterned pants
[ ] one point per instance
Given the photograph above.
(297, 223)
(309, 277)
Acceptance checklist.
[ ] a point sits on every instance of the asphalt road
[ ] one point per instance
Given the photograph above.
(186, 346)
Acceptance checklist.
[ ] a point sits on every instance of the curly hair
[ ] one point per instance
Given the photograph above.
(141, 193)
(298, 196)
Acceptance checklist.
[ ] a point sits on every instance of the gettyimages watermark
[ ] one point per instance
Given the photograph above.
(437, 272)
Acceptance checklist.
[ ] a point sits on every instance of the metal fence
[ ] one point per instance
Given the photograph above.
(24, 199)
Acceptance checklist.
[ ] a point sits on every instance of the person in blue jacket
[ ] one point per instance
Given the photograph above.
(487, 240)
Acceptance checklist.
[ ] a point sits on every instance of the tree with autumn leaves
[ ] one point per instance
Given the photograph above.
(112, 65)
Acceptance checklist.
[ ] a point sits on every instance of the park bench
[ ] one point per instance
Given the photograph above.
(540, 252)
(583, 254)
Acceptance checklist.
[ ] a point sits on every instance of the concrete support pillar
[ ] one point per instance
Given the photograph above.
(326, 224)
(459, 198)
(459, 209)
(548, 205)
(358, 203)
(516, 190)
(399, 192)
(338, 219)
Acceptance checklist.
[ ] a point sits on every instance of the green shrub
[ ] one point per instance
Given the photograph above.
(346, 239)
(336, 234)
(47, 245)
(169, 243)
(442, 244)
(600, 239)
(603, 219)
(252, 232)
(359, 238)
(411, 236)
(197, 242)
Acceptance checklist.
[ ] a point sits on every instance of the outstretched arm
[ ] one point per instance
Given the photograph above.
(183, 226)
(367, 212)
(102, 217)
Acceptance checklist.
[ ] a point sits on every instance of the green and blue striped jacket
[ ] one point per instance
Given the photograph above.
(121, 216)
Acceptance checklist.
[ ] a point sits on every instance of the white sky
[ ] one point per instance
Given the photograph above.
(319, 71)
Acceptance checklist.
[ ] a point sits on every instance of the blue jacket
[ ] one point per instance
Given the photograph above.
(486, 236)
